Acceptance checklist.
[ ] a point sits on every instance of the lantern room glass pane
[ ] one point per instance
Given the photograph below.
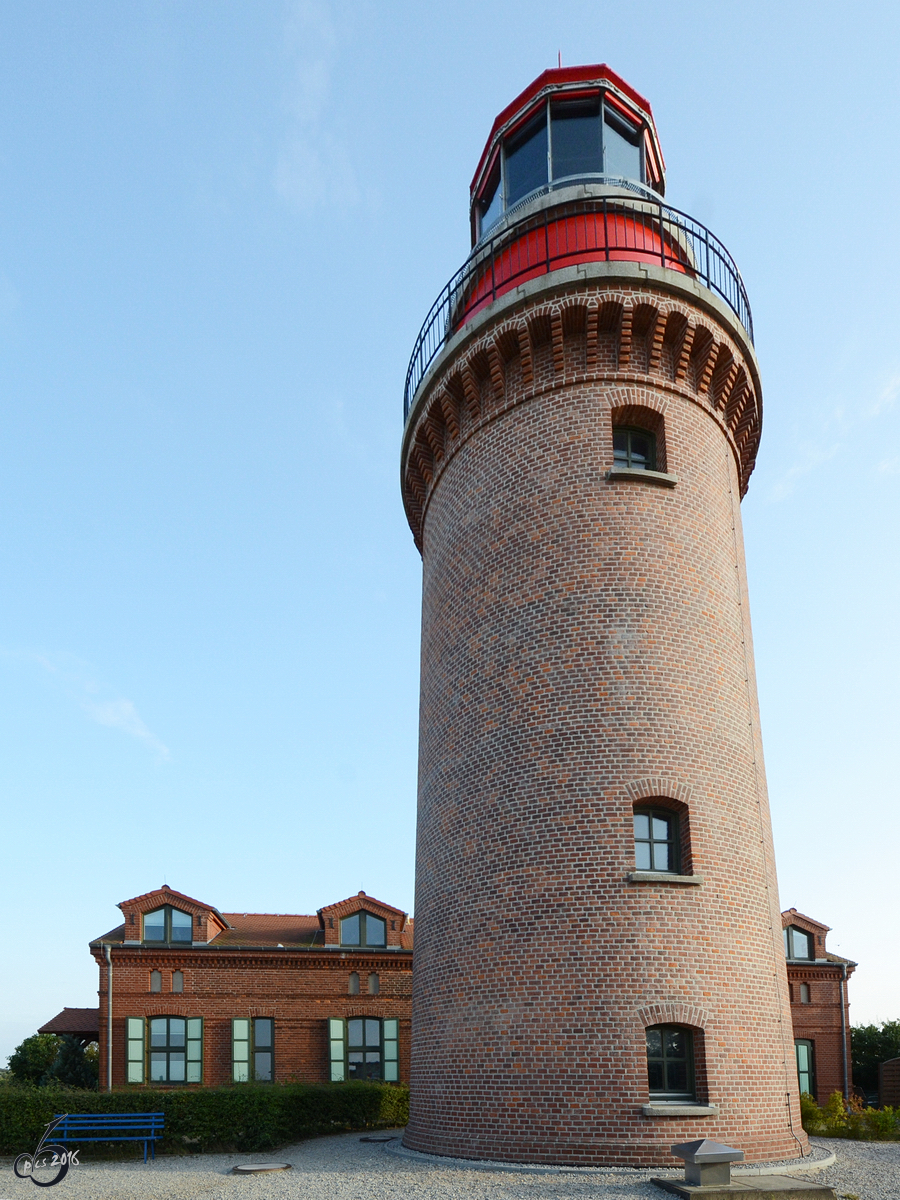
(526, 160)
(622, 148)
(491, 198)
(575, 138)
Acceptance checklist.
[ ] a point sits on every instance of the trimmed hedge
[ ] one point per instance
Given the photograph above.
(234, 1118)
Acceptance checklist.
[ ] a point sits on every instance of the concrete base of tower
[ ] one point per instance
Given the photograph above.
(764, 1187)
(564, 1149)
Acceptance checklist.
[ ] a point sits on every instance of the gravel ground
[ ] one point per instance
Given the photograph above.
(344, 1168)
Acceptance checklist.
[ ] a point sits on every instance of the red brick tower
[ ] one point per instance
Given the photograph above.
(599, 964)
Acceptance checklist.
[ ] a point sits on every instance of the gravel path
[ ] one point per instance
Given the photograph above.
(344, 1168)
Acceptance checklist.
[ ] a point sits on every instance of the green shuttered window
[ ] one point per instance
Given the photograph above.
(252, 1050)
(337, 1042)
(135, 1051)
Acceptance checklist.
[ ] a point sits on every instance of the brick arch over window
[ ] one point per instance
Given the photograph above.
(688, 1016)
(673, 1013)
(650, 789)
(642, 416)
(675, 796)
(685, 853)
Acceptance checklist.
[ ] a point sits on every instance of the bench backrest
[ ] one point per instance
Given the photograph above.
(123, 1126)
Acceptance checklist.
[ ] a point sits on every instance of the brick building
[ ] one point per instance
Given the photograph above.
(599, 966)
(820, 1008)
(189, 994)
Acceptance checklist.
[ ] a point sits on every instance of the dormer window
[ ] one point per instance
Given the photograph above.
(168, 924)
(798, 944)
(363, 929)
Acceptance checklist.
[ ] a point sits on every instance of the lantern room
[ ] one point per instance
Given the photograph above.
(571, 125)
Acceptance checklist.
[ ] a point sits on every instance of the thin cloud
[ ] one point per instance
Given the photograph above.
(121, 714)
(813, 458)
(97, 701)
(313, 167)
(887, 397)
(842, 420)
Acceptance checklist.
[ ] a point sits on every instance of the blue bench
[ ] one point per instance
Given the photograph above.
(110, 1127)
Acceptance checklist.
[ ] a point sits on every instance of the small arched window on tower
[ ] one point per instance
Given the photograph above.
(804, 993)
(634, 449)
(178, 981)
(638, 436)
(670, 1064)
(374, 986)
(656, 840)
(353, 987)
(156, 981)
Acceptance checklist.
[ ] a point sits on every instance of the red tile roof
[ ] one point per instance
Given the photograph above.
(269, 929)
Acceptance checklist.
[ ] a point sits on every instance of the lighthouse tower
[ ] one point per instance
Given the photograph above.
(599, 964)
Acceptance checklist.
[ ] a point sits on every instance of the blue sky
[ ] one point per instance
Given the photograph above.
(221, 226)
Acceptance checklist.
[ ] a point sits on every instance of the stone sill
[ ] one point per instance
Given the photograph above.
(663, 877)
(660, 478)
(680, 1110)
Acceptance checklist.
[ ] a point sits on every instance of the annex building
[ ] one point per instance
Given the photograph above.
(204, 998)
(191, 995)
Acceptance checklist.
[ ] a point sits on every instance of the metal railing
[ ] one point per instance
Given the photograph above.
(608, 229)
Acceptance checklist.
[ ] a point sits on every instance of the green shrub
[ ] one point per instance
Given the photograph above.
(810, 1113)
(72, 1067)
(32, 1058)
(866, 1125)
(246, 1118)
